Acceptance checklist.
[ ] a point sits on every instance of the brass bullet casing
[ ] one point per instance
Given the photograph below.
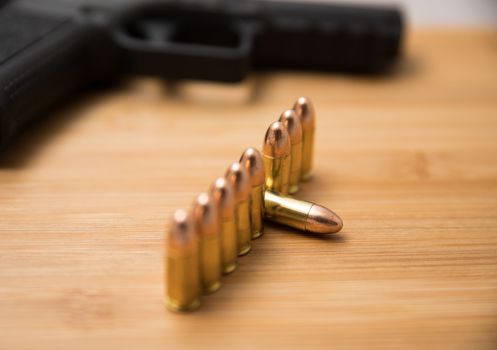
(183, 283)
(239, 178)
(292, 123)
(206, 220)
(302, 215)
(223, 195)
(252, 161)
(305, 111)
(276, 156)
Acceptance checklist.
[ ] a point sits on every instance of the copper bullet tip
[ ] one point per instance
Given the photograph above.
(181, 230)
(223, 194)
(323, 220)
(305, 111)
(239, 178)
(251, 159)
(292, 123)
(277, 141)
(205, 215)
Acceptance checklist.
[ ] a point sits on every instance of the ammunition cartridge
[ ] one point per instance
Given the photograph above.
(276, 155)
(239, 178)
(305, 111)
(206, 220)
(252, 161)
(224, 197)
(183, 287)
(302, 215)
(292, 123)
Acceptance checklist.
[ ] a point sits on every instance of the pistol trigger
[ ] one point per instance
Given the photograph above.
(155, 31)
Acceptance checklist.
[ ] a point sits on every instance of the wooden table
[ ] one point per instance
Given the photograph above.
(408, 160)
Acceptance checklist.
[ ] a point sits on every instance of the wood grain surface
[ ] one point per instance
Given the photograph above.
(409, 160)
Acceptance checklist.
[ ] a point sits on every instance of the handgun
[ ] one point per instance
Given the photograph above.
(49, 49)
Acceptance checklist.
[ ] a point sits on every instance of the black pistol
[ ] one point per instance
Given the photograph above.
(50, 48)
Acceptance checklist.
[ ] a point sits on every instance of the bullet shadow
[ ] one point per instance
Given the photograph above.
(276, 228)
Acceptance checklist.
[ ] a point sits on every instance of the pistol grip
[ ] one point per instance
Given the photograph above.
(44, 56)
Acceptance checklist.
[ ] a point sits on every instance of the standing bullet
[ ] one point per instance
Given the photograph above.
(222, 193)
(183, 287)
(252, 161)
(302, 215)
(276, 155)
(239, 178)
(206, 221)
(305, 111)
(292, 123)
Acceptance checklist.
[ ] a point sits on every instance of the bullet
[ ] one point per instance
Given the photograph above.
(302, 215)
(252, 161)
(239, 178)
(222, 193)
(305, 111)
(276, 156)
(206, 220)
(183, 283)
(292, 123)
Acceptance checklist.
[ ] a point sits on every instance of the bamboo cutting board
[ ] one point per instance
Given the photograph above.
(408, 160)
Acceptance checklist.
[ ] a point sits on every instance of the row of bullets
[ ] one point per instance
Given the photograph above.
(206, 242)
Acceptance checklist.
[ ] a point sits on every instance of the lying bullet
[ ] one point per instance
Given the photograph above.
(302, 215)
(183, 287)
(305, 111)
(222, 193)
(276, 155)
(292, 123)
(206, 221)
(252, 161)
(239, 178)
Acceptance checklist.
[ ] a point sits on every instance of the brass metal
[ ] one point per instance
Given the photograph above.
(302, 215)
(183, 283)
(252, 161)
(206, 220)
(276, 155)
(292, 123)
(238, 176)
(305, 111)
(223, 194)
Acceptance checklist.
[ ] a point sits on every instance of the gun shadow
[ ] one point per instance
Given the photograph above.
(40, 132)
(43, 130)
